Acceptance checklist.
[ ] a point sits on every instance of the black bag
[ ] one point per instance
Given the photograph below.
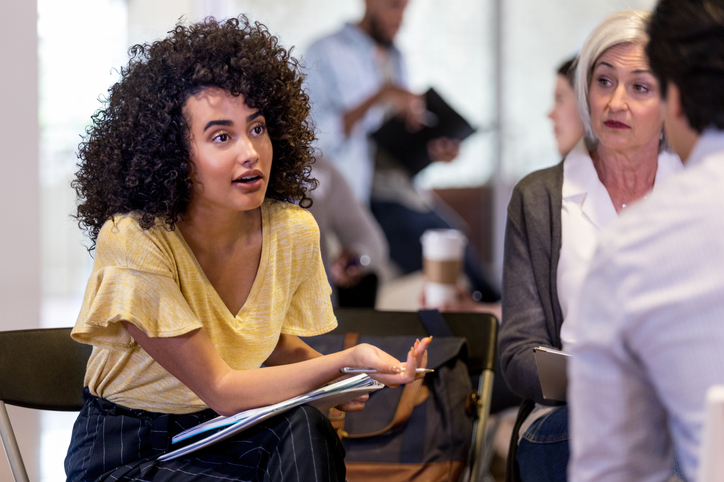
(421, 431)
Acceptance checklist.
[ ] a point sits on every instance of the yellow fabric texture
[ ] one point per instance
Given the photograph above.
(151, 278)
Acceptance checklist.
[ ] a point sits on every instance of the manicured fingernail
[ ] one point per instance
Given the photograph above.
(395, 369)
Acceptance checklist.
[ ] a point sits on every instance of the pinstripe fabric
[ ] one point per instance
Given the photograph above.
(112, 443)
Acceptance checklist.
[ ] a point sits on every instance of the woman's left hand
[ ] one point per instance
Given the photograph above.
(389, 370)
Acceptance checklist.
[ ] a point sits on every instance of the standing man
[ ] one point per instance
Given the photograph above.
(650, 325)
(357, 79)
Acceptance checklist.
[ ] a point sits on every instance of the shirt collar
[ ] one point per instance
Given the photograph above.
(580, 176)
(579, 173)
(582, 186)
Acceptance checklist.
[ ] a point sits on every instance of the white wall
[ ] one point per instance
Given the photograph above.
(19, 194)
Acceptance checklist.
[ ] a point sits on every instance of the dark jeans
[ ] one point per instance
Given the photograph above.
(403, 228)
(543, 451)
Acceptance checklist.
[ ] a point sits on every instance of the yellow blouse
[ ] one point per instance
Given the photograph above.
(151, 278)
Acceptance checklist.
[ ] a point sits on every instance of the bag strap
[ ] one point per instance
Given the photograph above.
(408, 401)
(435, 323)
(350, 340)
(413, 395)
(512, 471)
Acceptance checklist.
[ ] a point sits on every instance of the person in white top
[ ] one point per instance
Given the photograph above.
(649, 325)
(555, 216)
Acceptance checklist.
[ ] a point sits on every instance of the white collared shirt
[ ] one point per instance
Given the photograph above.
(650, 330)
(587, 209)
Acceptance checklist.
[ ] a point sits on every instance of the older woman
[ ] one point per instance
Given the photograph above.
(205, 270)
(556, 214)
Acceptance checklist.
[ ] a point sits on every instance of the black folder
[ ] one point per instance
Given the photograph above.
(410, 148)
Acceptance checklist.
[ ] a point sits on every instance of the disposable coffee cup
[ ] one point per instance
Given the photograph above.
(443, 251)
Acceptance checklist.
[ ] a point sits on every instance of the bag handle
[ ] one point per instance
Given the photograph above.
(435, 323)
(413, 395)
(408, 401)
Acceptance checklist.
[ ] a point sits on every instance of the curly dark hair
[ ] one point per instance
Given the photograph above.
(136, 152)
(686, 47)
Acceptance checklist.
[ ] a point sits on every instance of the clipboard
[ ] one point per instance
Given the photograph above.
(410, 148)
(552, 367)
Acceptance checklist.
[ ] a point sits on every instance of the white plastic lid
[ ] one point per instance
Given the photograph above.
(443, 244)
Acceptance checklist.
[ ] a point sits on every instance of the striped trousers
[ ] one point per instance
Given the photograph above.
(111, 442)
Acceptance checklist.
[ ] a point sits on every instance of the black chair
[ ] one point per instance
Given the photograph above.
(41, 369)
(481, 331)
(44, 368)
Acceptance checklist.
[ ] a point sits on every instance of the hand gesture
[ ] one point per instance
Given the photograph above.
(347, 271)
(408, 106)
(389, 370)
(443, 149)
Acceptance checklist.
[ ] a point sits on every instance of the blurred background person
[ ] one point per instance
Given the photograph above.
(357, 79)
(555, 216)
(567, 124)
(353, 245)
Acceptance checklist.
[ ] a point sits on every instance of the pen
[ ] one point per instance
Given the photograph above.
(372, 370)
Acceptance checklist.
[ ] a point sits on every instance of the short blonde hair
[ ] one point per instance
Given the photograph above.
(623, 27)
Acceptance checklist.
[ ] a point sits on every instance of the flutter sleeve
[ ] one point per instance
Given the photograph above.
(135, 279)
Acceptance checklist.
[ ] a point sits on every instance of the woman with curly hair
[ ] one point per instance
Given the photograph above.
(205, 270)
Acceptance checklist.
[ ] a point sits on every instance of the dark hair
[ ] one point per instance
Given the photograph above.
(135, 155)
(568, 70)
(686, 47)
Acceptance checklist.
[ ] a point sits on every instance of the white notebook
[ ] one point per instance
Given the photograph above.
(222, 428)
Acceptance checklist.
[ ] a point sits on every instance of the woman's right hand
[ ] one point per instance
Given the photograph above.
(390, 369)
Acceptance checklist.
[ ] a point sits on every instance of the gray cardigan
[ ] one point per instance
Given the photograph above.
(531, 311)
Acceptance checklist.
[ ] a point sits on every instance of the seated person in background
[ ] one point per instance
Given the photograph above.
(567, 123)
(204, 269)
(357, 79)
(650, 325)
(346, 222)
(555, 216)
